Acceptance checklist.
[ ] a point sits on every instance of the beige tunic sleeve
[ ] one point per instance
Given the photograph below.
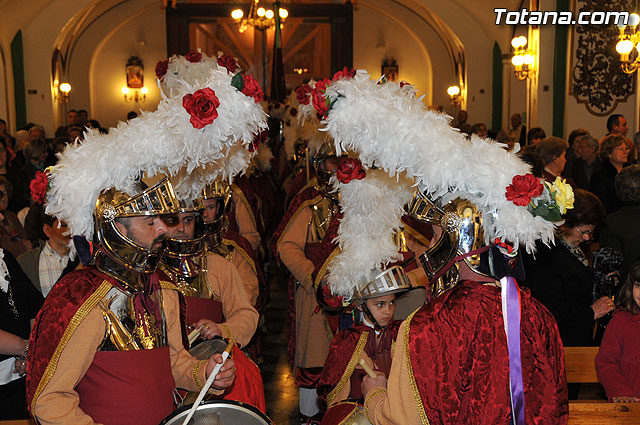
(241, 319)
(183, 365)
(396, 404)
(58, 402)
(246, 226)
(247, 276)
(291, 248)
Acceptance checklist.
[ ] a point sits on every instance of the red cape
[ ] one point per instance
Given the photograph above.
(65, 307)
(457, 349)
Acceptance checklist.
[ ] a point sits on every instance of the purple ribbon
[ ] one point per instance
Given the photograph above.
(511, 316)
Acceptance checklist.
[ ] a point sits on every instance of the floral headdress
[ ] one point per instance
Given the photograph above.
(203, 121)
(417, 146)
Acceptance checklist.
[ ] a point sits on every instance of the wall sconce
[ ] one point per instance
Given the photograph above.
(63, 93)
(523, 59)
(135, 95)
(454, 94)
(627, 41)
(300, 71)
(135, 91)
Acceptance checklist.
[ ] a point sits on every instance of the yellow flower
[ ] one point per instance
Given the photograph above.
(564, 195)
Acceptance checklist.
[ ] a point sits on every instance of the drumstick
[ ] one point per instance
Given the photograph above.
(195, 334)
(367, 368)
(209, 382)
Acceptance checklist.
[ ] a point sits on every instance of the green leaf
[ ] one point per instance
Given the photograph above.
(238, 81)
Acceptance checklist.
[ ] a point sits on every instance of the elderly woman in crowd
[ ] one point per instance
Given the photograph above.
(553, 152)
(614, 155)
(13, 238)
(19, 304)
(561, 277)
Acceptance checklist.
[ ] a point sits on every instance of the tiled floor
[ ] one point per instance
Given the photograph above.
(279, 386)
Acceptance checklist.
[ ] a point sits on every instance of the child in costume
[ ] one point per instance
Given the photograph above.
(371, 340)
(617, 361)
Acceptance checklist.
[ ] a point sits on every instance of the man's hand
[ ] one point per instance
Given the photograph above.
(625, 399)
(209, 329)
(227, 373)
(369, 383)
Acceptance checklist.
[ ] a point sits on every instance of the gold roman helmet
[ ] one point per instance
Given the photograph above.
(323, 171)
(183, 254)
(216, 200)
(462, 234)
(113, 205)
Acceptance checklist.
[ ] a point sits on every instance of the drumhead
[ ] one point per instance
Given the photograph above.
(219, 412)
(206, 349)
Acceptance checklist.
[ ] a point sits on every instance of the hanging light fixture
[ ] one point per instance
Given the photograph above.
(258, 17)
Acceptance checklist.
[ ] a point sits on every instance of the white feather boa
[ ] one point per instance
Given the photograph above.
(390, 128)
(163, 141)
(372, 209)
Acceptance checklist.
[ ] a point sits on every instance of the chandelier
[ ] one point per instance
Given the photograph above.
(628, 39)
(260, 18)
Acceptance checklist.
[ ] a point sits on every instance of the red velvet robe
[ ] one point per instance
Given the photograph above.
(345, 353)
(459, 359)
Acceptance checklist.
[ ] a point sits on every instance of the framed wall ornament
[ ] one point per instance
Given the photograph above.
(596, 78)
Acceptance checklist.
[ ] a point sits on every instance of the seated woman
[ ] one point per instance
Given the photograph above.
(617, 361)
(371, 339)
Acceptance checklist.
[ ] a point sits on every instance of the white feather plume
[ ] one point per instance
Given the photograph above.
(163, 141)
(389, 127)
(263, 158)
(372, 209)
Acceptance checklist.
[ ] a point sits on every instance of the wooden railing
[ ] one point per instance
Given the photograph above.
(581, 368)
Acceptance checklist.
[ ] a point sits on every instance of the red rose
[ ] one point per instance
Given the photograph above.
(202, 106)
(523, 188)
(331, 300)
(318, 98)
(193, 56)
(252, 88)
(344, 74)
(228, 62)
(302, 93)
(161, 68)
(258, 140)
(39, 186)
(349, 169)
(404, 83)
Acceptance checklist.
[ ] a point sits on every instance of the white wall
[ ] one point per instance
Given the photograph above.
(97, 69)
(377, 35)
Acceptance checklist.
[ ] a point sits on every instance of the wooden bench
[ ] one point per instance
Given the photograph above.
(581, 369)
(18, 422)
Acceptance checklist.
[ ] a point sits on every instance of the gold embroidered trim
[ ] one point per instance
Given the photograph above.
(367, 401)
(353, 418)
(414, 387)
(242, 252)
(196, 372)
(225, 329)
(351, 366)
(235, 189)
(416, 235)
(164, 284)
(323, 270)
(77, 318)
(302, 206)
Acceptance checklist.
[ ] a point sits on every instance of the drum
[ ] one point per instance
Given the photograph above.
(219, 412)
(345, 413)
(208, 348)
